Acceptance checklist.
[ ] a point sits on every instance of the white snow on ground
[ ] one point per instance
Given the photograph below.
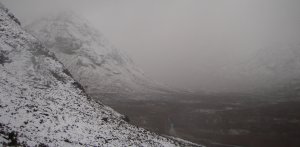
(43, 105)
(91, 59)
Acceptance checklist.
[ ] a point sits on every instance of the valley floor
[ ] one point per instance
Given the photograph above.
(215, 120)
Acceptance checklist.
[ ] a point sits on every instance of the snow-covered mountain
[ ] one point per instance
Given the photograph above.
(42, 105)
(271, 67)
(275, 67)
(281, 62)
(91, 59)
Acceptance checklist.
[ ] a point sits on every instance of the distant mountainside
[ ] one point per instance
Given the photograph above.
(272, 67)
(42, 105)
(91, 59)
(277, 62)
(277, 68)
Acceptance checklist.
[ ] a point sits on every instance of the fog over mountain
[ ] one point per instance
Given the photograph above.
(183, 43)
(215, 73)
(92, 60)
(42, 105)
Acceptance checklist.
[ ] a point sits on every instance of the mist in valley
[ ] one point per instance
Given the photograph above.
(194, 45)
(217, 73)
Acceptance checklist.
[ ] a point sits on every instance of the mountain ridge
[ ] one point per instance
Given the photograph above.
(42, 105)
(91, 59)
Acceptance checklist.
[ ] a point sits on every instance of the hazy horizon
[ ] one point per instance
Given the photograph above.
(181, 43)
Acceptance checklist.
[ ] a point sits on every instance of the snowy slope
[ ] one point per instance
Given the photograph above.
(91, 59)
(41, 104)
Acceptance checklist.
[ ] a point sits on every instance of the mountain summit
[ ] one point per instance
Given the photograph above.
(42, 105)
(91, 59)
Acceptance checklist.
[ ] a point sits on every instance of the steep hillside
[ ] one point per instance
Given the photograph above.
(41, 104)
(91, 59)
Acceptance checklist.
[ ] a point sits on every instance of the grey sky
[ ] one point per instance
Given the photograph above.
(181, 42)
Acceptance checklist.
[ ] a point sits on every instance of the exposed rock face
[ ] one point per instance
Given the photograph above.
(91, 59)
(42, 105)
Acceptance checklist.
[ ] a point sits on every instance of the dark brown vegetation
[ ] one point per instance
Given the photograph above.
(217, 120)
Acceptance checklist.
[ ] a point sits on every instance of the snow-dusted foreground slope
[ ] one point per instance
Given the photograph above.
(41, 104)
(91, 59)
